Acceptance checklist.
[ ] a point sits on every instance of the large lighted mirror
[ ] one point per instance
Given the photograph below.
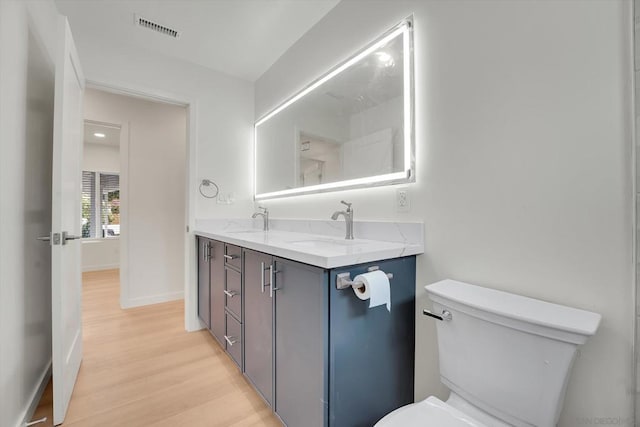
(351, 128)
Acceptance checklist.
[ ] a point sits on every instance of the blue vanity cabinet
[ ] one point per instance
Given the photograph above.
(371, 350)
(301, 344)
(339, 363)
(318, 355)
(258, 322)
(204, 311)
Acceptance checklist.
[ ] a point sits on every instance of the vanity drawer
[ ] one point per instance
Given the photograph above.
(233, 338)
(233, 256)
(233, 292)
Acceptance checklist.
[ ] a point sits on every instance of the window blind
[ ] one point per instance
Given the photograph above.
(110, 206)
(100, 204)
(89, 219)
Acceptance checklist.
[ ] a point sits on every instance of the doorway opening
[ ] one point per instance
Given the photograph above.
(134, 205)
(138, 182)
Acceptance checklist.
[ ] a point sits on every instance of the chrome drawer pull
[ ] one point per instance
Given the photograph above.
(230, 340)
(230, 294)
(446, 315)
(230, 257)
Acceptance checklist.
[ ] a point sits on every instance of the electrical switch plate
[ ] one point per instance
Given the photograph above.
(403, 204)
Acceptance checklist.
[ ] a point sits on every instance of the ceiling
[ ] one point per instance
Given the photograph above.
(242, 38)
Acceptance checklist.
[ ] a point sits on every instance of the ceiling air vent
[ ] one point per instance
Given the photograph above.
(146, 23)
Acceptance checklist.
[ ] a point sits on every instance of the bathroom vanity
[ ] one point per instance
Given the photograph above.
(318, 355)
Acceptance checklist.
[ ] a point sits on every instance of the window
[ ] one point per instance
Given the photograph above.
(100, 205)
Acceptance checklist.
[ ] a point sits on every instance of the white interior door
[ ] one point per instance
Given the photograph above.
(66, 278)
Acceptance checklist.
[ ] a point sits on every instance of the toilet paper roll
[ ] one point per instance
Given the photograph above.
(375, 288)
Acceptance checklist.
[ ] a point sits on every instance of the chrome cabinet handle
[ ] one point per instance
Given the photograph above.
(262, 276)
(230, 294)
(272, 288)
(446, 315)
(230, 256)
(230, 340)
(206, 251)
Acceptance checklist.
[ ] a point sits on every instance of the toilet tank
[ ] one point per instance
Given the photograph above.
(507, 354)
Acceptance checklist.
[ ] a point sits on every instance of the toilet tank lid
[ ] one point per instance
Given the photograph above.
(517, 307)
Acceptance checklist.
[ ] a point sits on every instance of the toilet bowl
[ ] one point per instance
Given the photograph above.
(506, 359)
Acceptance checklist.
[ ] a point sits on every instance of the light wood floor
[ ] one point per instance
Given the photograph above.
(140, 368)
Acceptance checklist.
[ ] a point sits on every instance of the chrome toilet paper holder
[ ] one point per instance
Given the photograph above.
(343, 280)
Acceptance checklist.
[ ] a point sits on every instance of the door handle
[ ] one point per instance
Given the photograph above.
(53, 239)
(261, 276)
(66, 236)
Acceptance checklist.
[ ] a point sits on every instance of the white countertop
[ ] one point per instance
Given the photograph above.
(315, 249)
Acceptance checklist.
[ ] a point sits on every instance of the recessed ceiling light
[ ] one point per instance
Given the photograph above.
(99, 135)
(385, 59)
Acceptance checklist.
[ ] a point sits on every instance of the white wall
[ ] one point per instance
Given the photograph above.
(524, 174)
(27, 48)
(153, 148)
(100, 254)
(101, 158)
(222, 105)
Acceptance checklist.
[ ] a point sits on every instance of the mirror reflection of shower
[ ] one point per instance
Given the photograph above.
(320, 160)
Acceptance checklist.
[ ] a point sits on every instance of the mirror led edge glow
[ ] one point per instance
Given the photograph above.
(407, 175)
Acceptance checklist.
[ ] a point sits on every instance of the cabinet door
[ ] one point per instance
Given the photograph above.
(380, 343)
(301, 352)
(216, 271)
(258, 323)
(204, 312)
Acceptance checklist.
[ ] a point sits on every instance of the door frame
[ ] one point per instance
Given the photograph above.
(191, 321)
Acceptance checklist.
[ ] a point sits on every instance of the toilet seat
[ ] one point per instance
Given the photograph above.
(431, 412)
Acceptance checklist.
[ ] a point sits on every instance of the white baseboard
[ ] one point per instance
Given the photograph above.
(152, 299)
(100, 267)
(35, 396)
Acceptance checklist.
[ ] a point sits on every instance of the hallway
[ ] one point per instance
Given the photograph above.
(141, 368)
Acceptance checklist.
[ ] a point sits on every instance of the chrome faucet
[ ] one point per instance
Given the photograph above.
(348, 218)
(265, 216)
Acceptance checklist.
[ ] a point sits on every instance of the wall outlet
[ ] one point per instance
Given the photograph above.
(403, 204)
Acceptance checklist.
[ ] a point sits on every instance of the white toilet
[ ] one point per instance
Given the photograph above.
(506, 359)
